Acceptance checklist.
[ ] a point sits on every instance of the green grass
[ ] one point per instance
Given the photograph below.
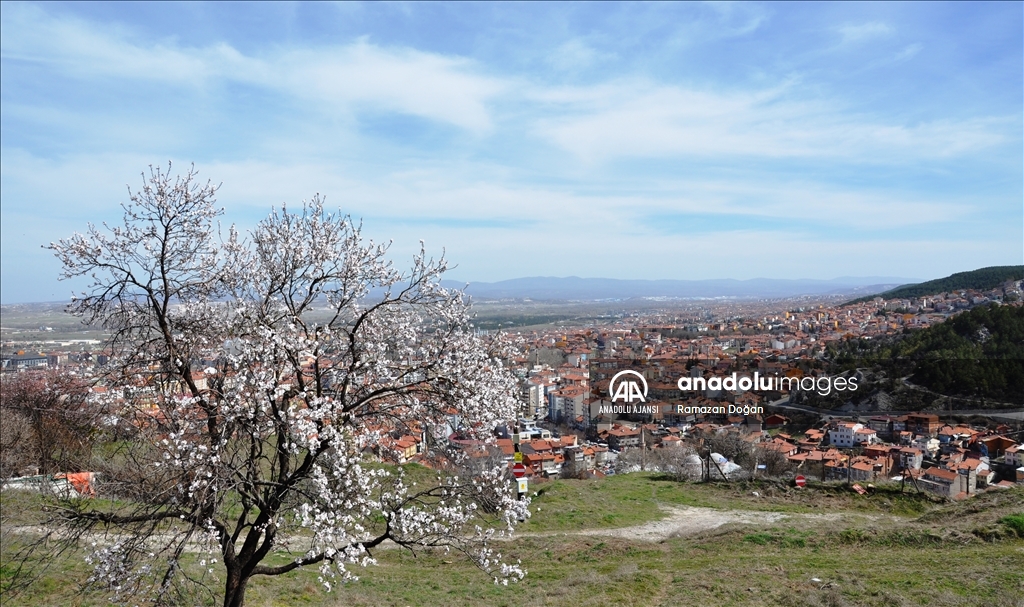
(1015, 522)
(934, 560)
(625, 500)
(787, 538)
(725, 569)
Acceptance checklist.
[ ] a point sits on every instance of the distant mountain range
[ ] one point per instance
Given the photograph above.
(590, 289)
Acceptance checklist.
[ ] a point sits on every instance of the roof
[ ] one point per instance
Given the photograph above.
(624, 432)
(506, 446)
(941, 473)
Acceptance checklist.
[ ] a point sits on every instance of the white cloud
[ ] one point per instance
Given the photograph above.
(643, 119)
(495, 229)
(408, 81)
(359, 75)
(543, 191)
(576, 54)
(738, 18)
(864, 31)
(909, 51)
(616, 118)
(711, 21)
(90, 187)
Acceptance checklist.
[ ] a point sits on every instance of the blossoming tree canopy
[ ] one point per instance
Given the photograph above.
(259, 373)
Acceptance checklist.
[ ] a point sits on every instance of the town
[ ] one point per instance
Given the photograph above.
(572, 426)
(919, 449)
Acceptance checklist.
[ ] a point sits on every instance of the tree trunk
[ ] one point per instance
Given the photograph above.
(234, 589)
(42, 441)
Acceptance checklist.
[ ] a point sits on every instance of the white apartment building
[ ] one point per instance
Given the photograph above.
(850, 434)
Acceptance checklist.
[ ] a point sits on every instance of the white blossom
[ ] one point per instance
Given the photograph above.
(261, 373)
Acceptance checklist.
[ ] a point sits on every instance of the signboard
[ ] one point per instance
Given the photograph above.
(517, 456)
(519, 470)
(800, 480)
(524, 485)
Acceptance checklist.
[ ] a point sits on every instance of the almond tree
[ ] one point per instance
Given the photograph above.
(49, 423)
(259, 371)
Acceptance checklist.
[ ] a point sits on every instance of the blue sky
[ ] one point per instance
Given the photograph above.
(600, 140)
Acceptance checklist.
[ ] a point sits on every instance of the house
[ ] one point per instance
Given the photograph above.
(951, 438)
(508, 449)
(879, 450)
(926, 443)
(911, 458)
(850, 434)
(528, 430)
(567, 403)
(858, 468)
(544, 463)
(671, 442)
(1014, 456)
(602, 457)
(953, 484)
(623, 437)
(786, 448)
(865, 436)
(862, 471)
(813, 436)
(402, 449)
(885, 425)
(923, 423)
(985, 475)
(579, 459)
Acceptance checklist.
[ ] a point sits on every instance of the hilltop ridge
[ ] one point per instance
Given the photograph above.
(980, 279)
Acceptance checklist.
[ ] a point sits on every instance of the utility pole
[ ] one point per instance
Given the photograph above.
(643, 449)
(705, 466)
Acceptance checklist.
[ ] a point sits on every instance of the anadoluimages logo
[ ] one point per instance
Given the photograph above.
(628, 389)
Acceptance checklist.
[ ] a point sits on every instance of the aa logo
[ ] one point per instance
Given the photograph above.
(628, 388)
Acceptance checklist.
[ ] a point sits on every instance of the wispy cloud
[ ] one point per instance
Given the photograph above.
(615, 118)
(865, 31)
(339, 78)
(576, 54)
(643, 119)
(580, 139)
(908, 51)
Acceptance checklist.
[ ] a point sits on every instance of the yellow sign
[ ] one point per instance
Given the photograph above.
(517, 456)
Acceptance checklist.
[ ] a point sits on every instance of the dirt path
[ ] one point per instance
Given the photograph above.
(689, 520)
(681, 521)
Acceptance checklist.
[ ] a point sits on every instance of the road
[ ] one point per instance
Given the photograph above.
(1007, 414)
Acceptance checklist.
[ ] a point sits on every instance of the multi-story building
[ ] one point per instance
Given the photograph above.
(850, 434)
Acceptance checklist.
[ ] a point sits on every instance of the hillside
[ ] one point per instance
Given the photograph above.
(976, 357)
(980, 279)
(774, 545)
